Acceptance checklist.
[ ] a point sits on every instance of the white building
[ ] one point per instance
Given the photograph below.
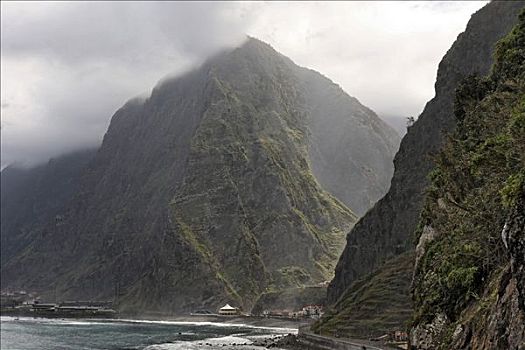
(228, 310)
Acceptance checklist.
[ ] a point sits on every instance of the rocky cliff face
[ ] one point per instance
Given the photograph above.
(468, 281)
(387, 229)
(205, 192)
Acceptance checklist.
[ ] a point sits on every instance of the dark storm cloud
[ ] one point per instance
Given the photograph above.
(67, 66)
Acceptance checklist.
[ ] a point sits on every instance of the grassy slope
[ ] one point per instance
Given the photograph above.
(375, 304)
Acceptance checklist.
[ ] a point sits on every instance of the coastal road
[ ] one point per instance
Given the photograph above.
(320, 342)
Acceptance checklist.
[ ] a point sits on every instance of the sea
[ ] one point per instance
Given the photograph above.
(81, 334)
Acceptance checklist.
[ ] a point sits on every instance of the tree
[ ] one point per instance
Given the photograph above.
(410, 121)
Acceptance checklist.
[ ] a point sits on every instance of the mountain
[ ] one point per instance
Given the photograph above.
(350, 148)
(211, 191)
(469, 281)
(31, 196)
(387, 230)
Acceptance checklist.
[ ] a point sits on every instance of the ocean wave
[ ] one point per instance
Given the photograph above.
(207, 323)
(116, 321)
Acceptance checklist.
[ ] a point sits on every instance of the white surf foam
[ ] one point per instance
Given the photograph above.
(214, 324)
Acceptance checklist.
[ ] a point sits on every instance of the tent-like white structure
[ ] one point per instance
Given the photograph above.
(228, 310)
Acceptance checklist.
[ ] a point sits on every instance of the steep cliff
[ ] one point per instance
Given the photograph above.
(386, 232)
(468, 282)
(205, 192)
(387, 229)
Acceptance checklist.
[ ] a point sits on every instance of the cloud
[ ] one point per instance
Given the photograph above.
(384, 53)
(67, 66)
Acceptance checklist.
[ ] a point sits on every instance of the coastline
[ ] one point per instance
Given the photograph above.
(282, 333)
(255, 321)
(288, 338)
(272, 333)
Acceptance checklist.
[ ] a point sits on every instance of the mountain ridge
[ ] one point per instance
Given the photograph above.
(202, 194)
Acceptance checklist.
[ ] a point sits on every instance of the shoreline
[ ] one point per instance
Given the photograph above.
(258, 321)
(278, 332)
(254, 321)
(282, 333)
(284, 325)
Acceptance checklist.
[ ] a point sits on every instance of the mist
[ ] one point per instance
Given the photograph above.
(68, 66)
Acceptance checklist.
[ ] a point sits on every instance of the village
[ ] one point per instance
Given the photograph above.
(22, 303)
(306, 312)
(312, 313)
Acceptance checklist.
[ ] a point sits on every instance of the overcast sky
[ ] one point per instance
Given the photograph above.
(67, 66)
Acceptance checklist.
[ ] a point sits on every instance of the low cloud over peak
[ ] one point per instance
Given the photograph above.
(67, 66)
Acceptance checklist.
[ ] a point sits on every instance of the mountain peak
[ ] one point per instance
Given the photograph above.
(234, 179)
(257, 46)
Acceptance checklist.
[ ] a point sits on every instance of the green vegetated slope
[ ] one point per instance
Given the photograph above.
(375, 304)
(248, 142)
(387, 230)
(468, 285)
(207, 192)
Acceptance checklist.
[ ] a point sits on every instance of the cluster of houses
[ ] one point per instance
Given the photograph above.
(22, 303)
(308, 311)
(9, 292)
(12, 298)
(68, 309)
